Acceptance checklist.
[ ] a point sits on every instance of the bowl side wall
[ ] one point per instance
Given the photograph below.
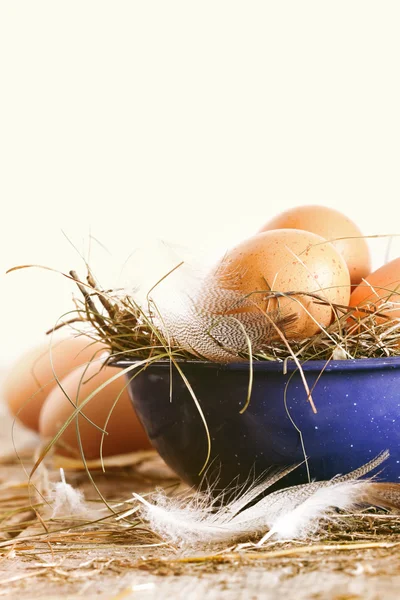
(356, 418)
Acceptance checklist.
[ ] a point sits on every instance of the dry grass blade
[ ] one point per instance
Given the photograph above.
(130, 332)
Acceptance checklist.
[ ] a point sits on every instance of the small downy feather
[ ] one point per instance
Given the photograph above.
(292, 513)
(66, 500)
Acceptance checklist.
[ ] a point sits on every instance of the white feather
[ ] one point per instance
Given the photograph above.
(297, 522)
(66, 500)
(197, 312)
(292, 513)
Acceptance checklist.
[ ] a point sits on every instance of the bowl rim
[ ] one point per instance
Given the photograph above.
(353, 364)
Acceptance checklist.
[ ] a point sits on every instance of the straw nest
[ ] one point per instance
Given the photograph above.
(131, 332)
(30, 533)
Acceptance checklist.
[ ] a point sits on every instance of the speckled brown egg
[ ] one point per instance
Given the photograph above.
(30, 380)
(331, 225)
(289, 260)
(124, 430)
(379, 291)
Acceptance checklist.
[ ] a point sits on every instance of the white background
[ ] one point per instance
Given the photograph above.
(192, 122)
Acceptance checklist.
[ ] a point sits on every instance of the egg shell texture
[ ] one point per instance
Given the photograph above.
(30, 380)
(124, 431)
(379, 287)
(289, 260)
(331, 225)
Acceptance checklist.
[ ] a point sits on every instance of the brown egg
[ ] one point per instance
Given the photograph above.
(288, 260)
(31, 378)
(381, 286)
(125, 433)
(331, 225)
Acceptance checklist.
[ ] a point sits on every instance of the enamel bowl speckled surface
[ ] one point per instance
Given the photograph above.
(357, 403)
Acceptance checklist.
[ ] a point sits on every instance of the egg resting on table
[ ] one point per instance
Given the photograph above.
(124, 430)
(30, 380)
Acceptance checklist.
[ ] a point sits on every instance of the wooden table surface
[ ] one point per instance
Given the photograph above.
(123, 573)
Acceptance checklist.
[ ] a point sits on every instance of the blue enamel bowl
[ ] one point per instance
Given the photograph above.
(357, 404)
